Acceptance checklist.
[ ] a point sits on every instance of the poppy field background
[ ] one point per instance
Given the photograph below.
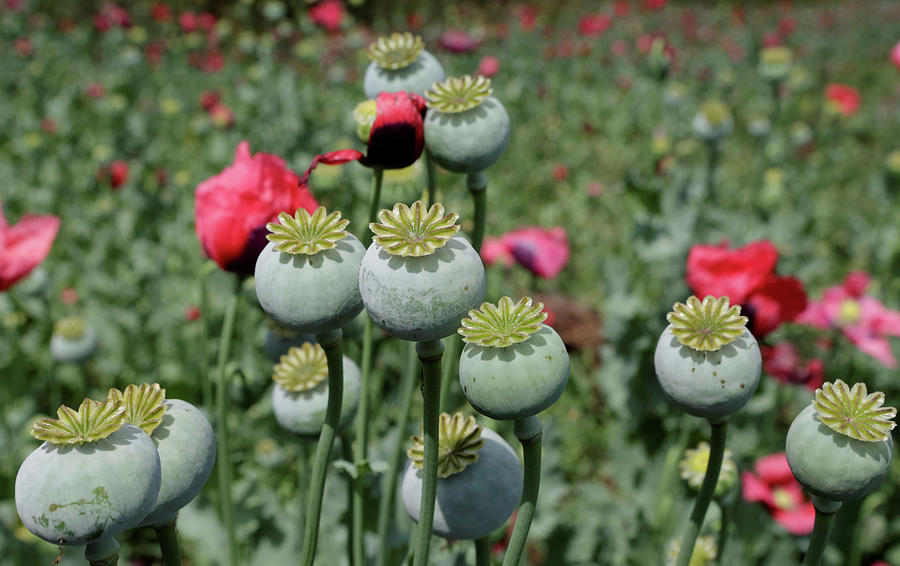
(609, 205)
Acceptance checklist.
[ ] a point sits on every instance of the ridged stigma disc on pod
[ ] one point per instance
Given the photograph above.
(400, 62)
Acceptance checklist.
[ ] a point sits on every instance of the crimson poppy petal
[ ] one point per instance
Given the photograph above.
(797, 521)
(338, 157)
(777, 300)
(397, 137)
(720, 272)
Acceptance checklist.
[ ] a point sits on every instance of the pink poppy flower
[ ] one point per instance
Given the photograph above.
(328, 15)
(24, 245)
(188, 22)
(782, 361)
(864, 320)
(458, 41)
(774, 484)
(221, 115)
(895, 55)
(844, 98)
(494, 250)
(488, 66)
(542, 251)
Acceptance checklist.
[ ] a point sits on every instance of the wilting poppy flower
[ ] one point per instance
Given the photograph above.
(542, 251)
(24, 245)
(232, 208)
(328, 15)
(864, 320)
(844, 99)
(782, 361)
(746, 275)
(396, 138)
(774, 484)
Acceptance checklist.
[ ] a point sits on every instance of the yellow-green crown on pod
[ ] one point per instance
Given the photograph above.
(459, 440)
(305, 233)
(503, 324)
(706, 325)
(364, 115)
(413, 231)
(854, 412)
(396, 51)
(301, 369)
(144, 404)
(92, 421)
(71, 327)
(458, 94)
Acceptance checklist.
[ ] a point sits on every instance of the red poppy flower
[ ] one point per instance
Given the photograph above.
(396, 139)
(895, 55)
(747, 277)
(327, 15)
(115, 174)
(95, 90)
(593, 25)
(494, 250)
(543, 251)
(233, 207)
(527, 18)
(160, 12)
(488, 66)
(774, 484)
(24, 245)
(221, 115)
(782, 361)
(845, 99)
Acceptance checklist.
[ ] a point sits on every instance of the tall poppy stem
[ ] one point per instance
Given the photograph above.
(707, 489)
(477, 185)
(529, 432)
(223, 388)
(168, 543)
(431, 180)
(331, 343)
(483, 551)
(711, 166)
(374, 205)
(825, 512)
(389, 483)
(430, 354)
(353, 485)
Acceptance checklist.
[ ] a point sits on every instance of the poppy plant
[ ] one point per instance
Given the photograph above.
(24, 245)
(542, 251)
(746, 275)
(396, 138)
(863, 319)
(772, 483)
(842, 98)
(232, 208)
(783, 362)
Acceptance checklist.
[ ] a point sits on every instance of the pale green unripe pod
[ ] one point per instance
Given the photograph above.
(416, 77)
(468, 141)
(303, 412)
(76, 494)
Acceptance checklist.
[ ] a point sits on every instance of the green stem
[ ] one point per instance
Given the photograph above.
(451, 370)
(723, 533)
(483, 551)
(205, 383)
(362, 447)
(389, 483)
(529, 433)
(374, 205)
(331, 343)
(104, 552)
(431, 171)
(350, 518)
(711, 166)
(302, 491)
(222, 393)
(477, 185)
(168, 544)
(707, 489)
(825, 512)
(430, 354)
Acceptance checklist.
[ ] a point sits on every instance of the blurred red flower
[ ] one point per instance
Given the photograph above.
(191, 313)
(49, 125)
(654, 5)
(746, 275)
(22, 45)
(95, 90)
(188, 21)
(592, 25)
(68, 296)
(782, 361)
(527, 18)
(232, 208)
(542, 251)
(774, 484)
(221, 115)
(458, 41)
(206, 21)
(771, 39)
(111, 15)
(114, 173)
(209, 98)
(864, 320)
(396, 139)
(560, 172)
(327, 15)
(895, 55)
(844, 98)
(24, 245)
(621, 8)
(160, 12)
(488, 66)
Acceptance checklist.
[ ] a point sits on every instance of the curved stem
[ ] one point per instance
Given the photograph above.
(430, 354)
(529, 433)
(389, 483)
(374, 205)
(168, 543)
(223, 457)
(431, 170)
(477, 185)
(825, 512)
(707, 489)
(331, 343)
(483, 551)
(104, 552)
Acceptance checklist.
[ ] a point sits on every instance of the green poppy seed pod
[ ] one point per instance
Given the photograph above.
(513, 366)
(306, 274)
(707, 362)
(81, 487)
(73, 341)
(476, 501)
(186, 444)
(300, 395)
(400, 63)
(466, 129)
(839, 447)
(418, 278)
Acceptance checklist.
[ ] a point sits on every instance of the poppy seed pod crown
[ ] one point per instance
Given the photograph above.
(400, 62)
